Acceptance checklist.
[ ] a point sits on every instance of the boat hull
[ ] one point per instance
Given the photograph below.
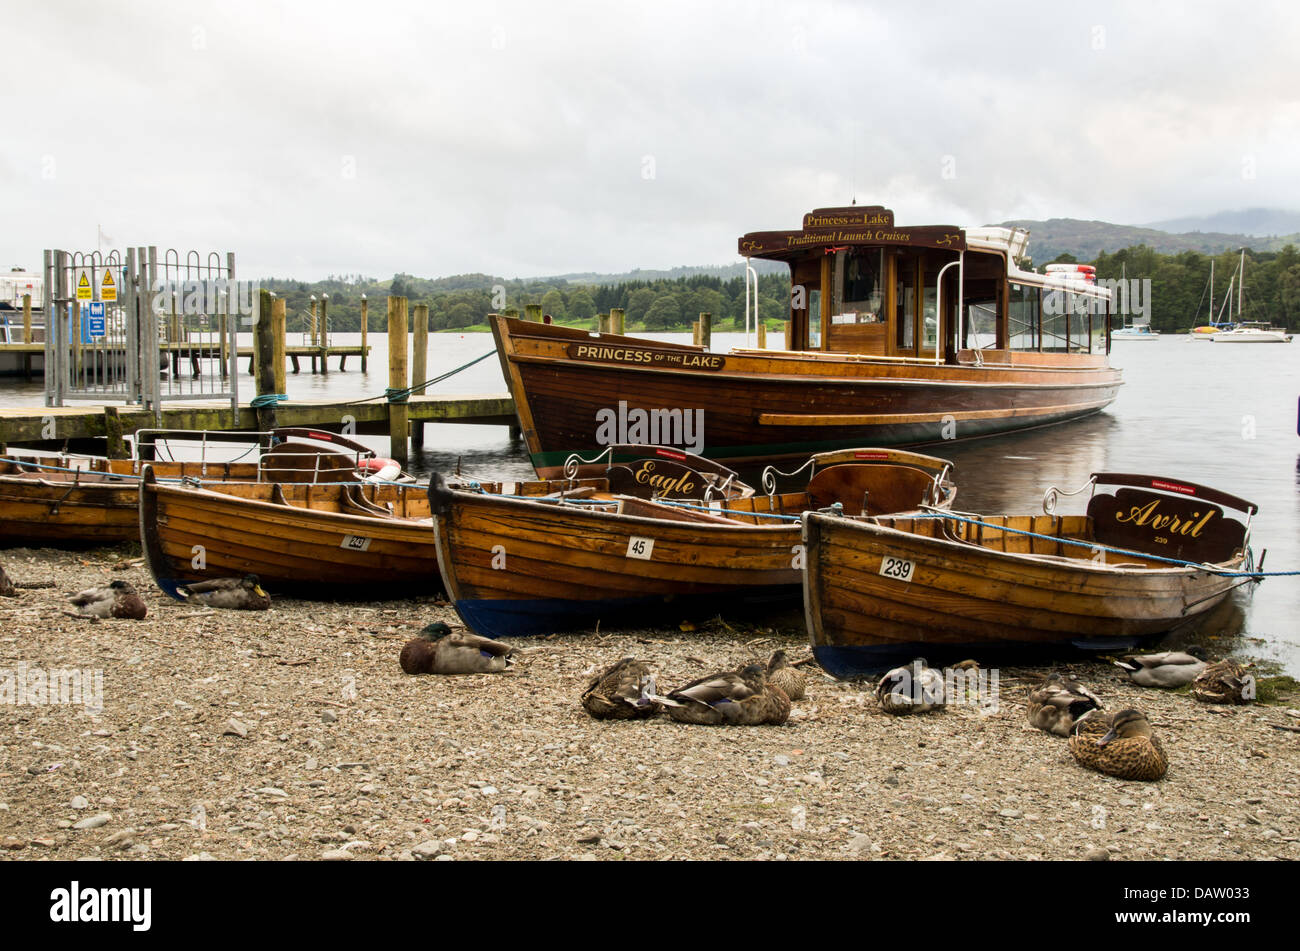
(756, 406)
(291, 547)
(47, 507)
(515, 567)
(963, 598)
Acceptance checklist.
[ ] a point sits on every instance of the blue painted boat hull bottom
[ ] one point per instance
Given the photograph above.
(857, 662)
(502, 617)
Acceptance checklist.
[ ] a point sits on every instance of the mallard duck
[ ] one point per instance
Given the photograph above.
(116, 599)
(1166, 669)
(789, 678)
(912, 689)
(737, 697)
(625, 691)
(7, 589)
(1224, 682)
(236, 594)
(440, 650)
(1128, 749)
(1057, 704)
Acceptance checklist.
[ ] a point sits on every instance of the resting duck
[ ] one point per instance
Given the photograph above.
(1058, 704)
(7, 589)
(1166, 669)
(789, 678)
(624, 691)
(1128, 749)
(439, 650)
(236, 594)
(912, 689)
(743, 698)
(1224, 682)
(117, 599)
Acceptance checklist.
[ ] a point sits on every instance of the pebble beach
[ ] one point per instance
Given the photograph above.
(293, 734)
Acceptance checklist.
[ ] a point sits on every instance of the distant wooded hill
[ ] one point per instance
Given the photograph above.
(1177, 264)
(1086, 239)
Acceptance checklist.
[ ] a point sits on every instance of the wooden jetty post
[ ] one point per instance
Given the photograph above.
(27, 334)
(617, 320)
(706, 330)
(762, 335)
(533, 312)
(365, 326)
(311, 332)
(788, 331)
(398, 413)
(116, 448)
(602, 323)
(419, 365)
(278, 331)
(264, 354)
(322, 331)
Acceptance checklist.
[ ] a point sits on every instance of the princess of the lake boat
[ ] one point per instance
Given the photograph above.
(896, 336)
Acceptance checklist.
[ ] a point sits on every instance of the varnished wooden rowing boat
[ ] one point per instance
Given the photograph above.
(91, 500)
(342, 540)
(517, 566)
(949, 586)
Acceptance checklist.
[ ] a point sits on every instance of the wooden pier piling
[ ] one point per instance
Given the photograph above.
(398, 413)
(617, 320)
(419, 365)
(322, 333)
(264, 351)
(116, 448)
(533, 312)
(278, 331)
(365, 327)
(762, 335)
(706, 330)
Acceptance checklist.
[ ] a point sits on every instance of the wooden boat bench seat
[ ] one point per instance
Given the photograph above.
(885, 488)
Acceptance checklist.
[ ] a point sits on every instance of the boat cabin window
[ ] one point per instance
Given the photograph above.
(982, 325)
(905, 304)
(862, 289)
(1056, 320)
(1022, 317)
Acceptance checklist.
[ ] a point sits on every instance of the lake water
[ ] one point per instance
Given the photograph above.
(1223, 416)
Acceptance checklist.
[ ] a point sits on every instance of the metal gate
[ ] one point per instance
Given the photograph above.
(144, 329)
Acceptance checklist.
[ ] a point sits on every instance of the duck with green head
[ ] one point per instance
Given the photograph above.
(232, 594)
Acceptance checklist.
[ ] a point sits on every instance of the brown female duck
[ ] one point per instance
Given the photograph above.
(1128, 749)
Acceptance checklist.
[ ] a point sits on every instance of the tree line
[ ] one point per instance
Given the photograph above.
(1179, 294)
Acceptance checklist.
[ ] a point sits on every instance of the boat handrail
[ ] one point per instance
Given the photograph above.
(573, 463)
(1053, 494)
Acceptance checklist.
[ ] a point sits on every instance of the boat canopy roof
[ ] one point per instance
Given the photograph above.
(855, 226)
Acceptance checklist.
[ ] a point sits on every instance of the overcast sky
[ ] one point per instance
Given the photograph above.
(524, 139)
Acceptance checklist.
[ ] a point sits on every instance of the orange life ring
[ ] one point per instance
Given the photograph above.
(379, 469)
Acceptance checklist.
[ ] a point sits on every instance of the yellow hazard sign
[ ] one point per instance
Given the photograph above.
(108, 286)
(85, 289)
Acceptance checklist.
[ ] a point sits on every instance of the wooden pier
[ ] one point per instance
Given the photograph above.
(81, 423)
(401, 412)
(176, 352)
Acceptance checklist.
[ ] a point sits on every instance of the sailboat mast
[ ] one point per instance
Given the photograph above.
(1241, 285)
(1211, 290)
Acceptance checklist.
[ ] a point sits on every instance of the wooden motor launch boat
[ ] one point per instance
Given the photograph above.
(667, 533)
(92, 500)
(1150, 556)
(335, 540)
(896, 336)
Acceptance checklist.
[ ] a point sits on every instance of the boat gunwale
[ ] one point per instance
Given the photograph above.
(872, 527)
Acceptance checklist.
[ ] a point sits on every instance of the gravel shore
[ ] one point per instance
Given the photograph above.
(294, 734)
